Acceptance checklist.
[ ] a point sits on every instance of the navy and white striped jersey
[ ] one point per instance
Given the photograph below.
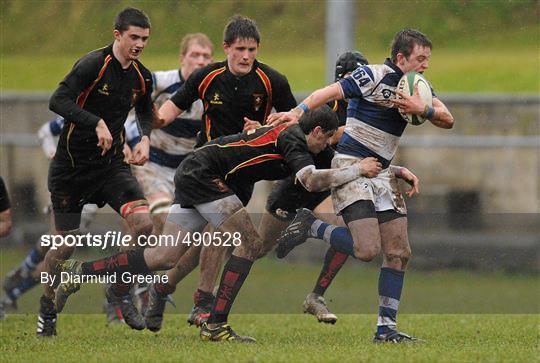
(48, 134)
(373, 126)
(170, 144)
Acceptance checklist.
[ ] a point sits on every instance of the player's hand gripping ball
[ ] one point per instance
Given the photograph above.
(406, 85)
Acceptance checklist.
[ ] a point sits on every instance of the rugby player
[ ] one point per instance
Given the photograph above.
(211, 186)
(373, 209)
(238, 94)
(94, 99)
(286, 196)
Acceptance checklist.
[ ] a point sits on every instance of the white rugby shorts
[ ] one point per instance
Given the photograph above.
(383, 190)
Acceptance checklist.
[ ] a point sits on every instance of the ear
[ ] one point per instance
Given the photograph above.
(318, 131)
(226, 47)
(400, 58)
(117, 34)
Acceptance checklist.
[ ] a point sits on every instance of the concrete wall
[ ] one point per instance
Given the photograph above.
(505, 175)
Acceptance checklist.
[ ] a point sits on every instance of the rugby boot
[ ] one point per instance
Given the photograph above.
(64, 289)
(201, 309)
(126, 308)
(114, 316)
(153, 316)
(222, 333)
(395, 337)
(46, 326)
(316, 305)
(296, 233)
(199, 315)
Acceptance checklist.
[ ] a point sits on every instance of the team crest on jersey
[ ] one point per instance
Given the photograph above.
(216, 100)
(387, 93)
(104, 90)
(222, 187)
(257, 101)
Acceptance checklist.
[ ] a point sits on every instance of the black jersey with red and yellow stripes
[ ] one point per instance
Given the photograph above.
(340, 109)
(269, 153)
(99, 88)
(228, 98)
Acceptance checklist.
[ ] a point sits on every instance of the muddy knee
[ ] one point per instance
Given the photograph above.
(398, 258)
(366, 253)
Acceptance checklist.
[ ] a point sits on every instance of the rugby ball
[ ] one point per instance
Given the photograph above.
(406, 85)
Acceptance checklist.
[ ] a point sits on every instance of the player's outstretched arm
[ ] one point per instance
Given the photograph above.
(167, 113)
(314, 100)
(316, 180)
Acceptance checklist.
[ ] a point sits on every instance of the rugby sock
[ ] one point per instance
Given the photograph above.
(232, 279)
(30, 261)
(203, 298)
(390, 286)
(332, 264)
(25, 284)
(121, 288)
(164, 288)
(339, 237)
(131, 261)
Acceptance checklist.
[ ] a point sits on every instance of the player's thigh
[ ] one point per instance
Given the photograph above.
(176, 238)
(325, 212)
(361, 219)
(395, 241)
(123, 193)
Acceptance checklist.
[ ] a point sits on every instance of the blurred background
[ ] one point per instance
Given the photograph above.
(478, 211)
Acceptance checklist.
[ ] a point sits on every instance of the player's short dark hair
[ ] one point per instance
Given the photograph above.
(240, 27)
(322, 116)
(348, 62)
(131, 17)
(406, 39)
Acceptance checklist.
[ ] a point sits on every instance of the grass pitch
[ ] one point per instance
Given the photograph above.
(284, 338)
(463, 315)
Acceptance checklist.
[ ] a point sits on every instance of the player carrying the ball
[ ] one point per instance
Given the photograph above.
(373, 209)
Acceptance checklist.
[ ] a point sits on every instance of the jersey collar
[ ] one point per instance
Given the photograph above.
(253, 69)
(394, 67)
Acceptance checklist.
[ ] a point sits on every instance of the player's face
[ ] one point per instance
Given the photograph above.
(132, 41)
(418, 61)
(197, 56)
(318, 140)
(241, 55)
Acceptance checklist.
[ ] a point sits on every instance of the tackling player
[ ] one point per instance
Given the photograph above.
(211, 186)
(373, 209)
